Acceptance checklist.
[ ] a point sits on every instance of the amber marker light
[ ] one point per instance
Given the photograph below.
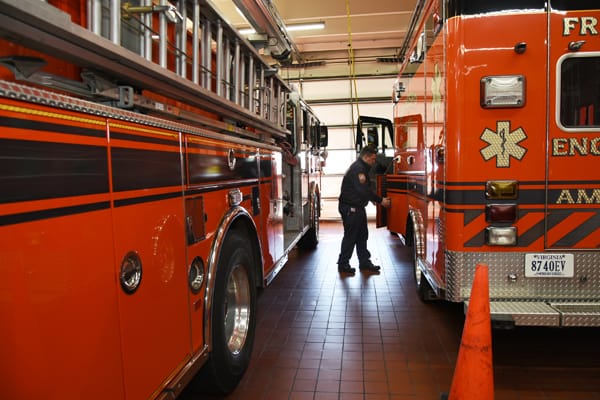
(501, 190)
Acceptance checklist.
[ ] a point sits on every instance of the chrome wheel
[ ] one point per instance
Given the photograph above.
(237, 309)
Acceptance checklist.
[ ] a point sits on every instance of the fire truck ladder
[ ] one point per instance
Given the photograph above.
(201, 60)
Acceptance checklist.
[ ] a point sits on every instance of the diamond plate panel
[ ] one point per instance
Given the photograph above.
(507, 278)
(527, 313)
(579, 314)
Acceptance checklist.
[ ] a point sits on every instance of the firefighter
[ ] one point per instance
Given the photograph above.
(355, 194)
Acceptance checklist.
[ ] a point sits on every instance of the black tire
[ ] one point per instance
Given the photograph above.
(233, 318)
(422, 286)
(310, 239)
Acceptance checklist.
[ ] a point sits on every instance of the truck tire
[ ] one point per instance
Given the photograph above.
(422, 286)
(233, 317)
(310, 239)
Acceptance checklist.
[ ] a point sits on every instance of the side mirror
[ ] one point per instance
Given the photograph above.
(323, 136)
(398, 90)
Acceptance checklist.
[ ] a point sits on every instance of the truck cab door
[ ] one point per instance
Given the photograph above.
(408, 170)
(377, 132)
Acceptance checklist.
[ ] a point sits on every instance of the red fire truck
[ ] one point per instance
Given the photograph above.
(155, 172)
(492, 155)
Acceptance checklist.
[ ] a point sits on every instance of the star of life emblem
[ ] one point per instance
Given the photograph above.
(503, 144)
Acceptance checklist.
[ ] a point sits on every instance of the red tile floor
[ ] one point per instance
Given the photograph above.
(324, 336)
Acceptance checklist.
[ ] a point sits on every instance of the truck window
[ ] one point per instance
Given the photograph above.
(580, 92)
(409, 133)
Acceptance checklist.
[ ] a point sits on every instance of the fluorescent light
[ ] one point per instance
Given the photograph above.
(290, 28)
(305, 27)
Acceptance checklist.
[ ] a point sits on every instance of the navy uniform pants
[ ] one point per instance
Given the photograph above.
(356, 233)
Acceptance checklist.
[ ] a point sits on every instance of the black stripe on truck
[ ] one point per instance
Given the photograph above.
(33, 170)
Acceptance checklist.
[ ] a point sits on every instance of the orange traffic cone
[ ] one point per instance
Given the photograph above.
(474, 373)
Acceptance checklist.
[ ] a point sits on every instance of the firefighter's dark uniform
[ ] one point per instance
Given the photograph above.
(356, 192)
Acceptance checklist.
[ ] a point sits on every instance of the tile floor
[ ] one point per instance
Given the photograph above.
(323, 336)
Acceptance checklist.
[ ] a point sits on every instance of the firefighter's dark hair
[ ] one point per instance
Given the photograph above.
(370, 149)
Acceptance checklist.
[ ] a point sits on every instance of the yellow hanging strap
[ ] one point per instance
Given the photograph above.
(352, 71)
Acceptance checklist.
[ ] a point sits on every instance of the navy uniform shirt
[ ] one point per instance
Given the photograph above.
(356, 186)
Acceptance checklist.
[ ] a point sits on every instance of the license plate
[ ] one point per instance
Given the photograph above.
(549, 265)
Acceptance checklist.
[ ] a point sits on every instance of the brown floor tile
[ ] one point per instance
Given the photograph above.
(327, 385)
(350, 386)
(322, 336)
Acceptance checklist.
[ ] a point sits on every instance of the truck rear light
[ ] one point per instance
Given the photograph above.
(502, 91)
(501, 190)
(500, 212)
(501, 236)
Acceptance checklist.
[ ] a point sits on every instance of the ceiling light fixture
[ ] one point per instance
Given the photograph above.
(305, 27)
(290, 28)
